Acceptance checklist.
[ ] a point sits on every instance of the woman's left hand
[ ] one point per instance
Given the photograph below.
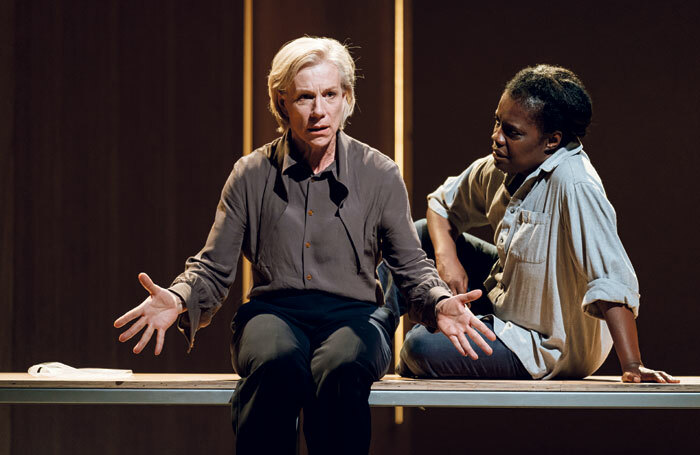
(640, 373)
(454, 319)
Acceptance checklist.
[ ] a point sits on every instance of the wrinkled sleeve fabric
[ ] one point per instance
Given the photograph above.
(597, 249)
(414, 274)
(462, 199)
(209, 274)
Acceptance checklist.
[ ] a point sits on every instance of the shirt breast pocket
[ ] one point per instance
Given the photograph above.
(531, 238)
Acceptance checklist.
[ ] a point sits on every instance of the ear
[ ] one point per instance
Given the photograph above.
(280, 103)
(552, 142)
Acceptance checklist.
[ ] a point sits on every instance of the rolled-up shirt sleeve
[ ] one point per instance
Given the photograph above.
(414, 274)
(209, 274)
(597, 249)
(462, 199)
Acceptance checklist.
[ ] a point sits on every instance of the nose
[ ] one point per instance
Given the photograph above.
(497, 135)
(318, 110)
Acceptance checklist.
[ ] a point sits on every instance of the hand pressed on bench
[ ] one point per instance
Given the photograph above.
(623, 329)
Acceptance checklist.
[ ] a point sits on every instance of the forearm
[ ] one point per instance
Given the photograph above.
(623, 329)
(442, 235)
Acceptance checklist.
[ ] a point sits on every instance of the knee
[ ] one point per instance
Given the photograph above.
(347, 381)
(270, 366)
(418, 346)
(419, 350)
(343, 375)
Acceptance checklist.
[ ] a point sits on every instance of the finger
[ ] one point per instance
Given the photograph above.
(147, 283)
(457, 345)
(476, 338)
(145, 338)
(467, 347)
(660, 376)
(483, 328)
(133, 330)
(470, 296)
(669, 378)
(631, 377)
(160, 338)
(129, 316)
(656, 377)
(462, 287)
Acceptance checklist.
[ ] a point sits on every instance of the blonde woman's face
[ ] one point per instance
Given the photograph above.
(314, 105)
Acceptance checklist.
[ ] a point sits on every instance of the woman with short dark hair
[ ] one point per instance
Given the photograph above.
(558, 280)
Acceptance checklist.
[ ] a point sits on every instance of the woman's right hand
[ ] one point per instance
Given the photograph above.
(158, 312)
(452, 273)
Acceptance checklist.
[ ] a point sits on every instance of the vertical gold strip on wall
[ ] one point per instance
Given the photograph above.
(246, 272)
(398, 149)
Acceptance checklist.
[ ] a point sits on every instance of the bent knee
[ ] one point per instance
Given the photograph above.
(271, 360)
(422, 344)
(420, 351)
(351, 379)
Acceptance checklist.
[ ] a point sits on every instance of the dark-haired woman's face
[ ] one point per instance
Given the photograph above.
(518, 146)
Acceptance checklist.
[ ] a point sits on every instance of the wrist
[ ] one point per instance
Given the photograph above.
(631, 366)
(179, 302)
(446, 257)
(439, 305)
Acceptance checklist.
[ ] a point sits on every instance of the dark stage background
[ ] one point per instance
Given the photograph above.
(120, 120)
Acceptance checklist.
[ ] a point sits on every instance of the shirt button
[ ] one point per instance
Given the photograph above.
(308, 277)
(310, 212)
(512, 210)
(307, 244)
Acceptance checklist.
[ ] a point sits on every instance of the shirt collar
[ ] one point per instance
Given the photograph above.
(339, 167)
(570, 149)
(551, 163)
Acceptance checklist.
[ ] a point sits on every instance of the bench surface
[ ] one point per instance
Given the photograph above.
(217, 389)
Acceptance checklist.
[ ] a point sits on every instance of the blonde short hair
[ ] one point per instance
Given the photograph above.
(303, 52)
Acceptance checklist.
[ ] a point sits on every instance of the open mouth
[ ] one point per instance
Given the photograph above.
(317, 129)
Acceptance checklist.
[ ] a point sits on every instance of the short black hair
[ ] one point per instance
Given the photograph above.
(556, 98)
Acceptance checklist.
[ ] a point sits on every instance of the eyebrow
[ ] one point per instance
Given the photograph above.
(325, 89)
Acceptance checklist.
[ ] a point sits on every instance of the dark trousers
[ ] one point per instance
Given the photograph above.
(312, 351)
(432, 355)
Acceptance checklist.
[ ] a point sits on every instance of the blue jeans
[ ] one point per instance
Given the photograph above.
(432, 355)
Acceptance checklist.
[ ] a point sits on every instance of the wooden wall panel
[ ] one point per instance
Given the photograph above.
(7, 204)
(128, 122)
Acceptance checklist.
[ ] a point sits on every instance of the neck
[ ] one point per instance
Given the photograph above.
(316, 158)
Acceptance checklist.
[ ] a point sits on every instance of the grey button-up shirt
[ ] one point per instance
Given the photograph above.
(559, 253)
(354, 215)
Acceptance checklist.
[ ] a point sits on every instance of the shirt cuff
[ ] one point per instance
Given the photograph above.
(429, 316)
(187, 322)
(607, 290)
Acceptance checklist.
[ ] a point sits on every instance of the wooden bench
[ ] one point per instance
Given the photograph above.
(216, 390)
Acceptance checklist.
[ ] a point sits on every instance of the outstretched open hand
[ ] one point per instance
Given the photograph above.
(157, 313)
(454, 319)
